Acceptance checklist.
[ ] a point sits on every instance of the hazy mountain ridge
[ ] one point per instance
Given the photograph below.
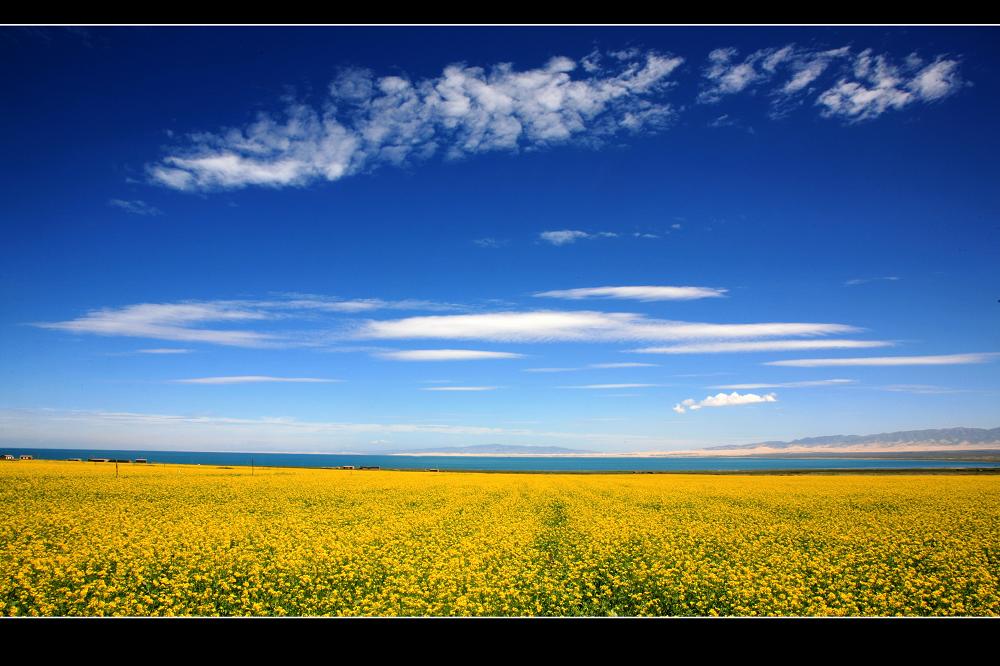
(487, 449)
(939, 438)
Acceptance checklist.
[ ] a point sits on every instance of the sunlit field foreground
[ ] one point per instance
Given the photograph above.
(192, 540)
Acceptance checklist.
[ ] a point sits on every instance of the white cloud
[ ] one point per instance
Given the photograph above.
(460, 388)
(135, 207)
(921, 389)
(727, 77)
(367, 122)
(638, 293)
(623, 365)
(445, 355)
(598, 387)
(185, 321)
(117, 430)
(761, 346)
(598, 366)
(256, 379)
(857, 281)
(563, 237)
(567, 236)
(173, 321)
(937, 80)
(809, 384)
(490, 242)
(327, 304)
(724, 400)
(582, 325)
(946, 359)
(878, 85)
(866, 86)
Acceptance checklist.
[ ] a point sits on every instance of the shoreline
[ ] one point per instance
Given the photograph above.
(830, 471)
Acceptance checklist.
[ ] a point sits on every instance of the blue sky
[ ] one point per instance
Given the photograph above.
(620, 239)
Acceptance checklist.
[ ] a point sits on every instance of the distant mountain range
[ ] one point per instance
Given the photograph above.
(941, 440)
(905, 440)
(490, 449)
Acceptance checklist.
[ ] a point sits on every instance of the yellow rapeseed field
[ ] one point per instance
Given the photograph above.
(200, 540)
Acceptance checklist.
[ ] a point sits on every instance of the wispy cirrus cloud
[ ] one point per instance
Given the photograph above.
(581, 325)
(256, 379)
(624, 365)
(367, 121)
(877, 85)
(198, 321)
(174, 321)
(857, 281)
(568, 236)
(491, 242)
(135, 207)
(595, 366)
(761, 346)
(723, 400)
(445, 355)
(109, 429)
(601, 387)
(846, 84)
(461, 389)
(943, 359)
(636, 293)
(808, 384)
(921, 389)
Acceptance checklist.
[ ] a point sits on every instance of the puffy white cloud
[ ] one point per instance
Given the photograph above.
(367, 122)
(944, 359)
(637, 293)
(724, 400)
(445, 355)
